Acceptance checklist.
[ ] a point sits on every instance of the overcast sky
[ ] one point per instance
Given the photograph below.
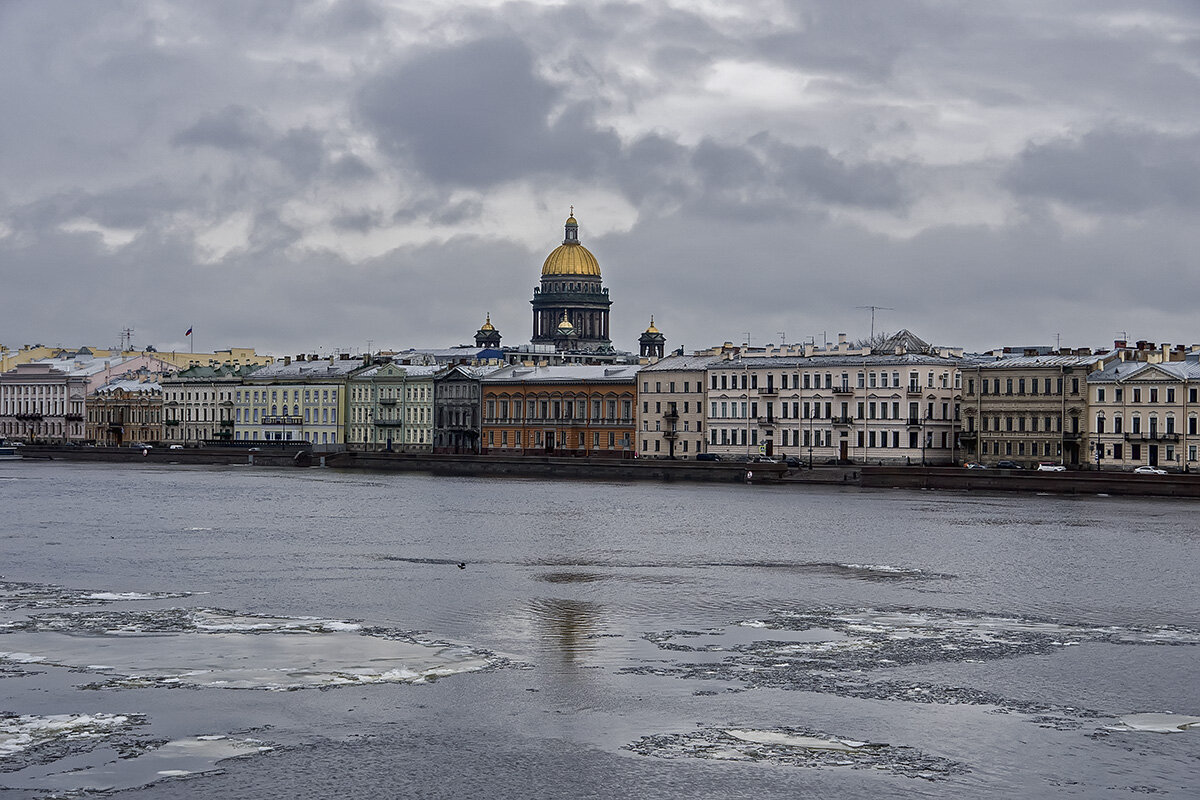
(311, 176)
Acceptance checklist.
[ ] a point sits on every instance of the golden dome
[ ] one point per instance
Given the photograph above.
(487, 326)
(571, 258)
(565, 327)
(652, 329)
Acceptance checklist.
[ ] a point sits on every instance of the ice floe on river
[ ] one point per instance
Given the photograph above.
(23, 732)
(850, 653)
(14, 596)
(209, 647)
(1155, 723)
(795, 747)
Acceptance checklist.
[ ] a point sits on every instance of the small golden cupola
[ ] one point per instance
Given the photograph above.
(652, 342)
(487, 335)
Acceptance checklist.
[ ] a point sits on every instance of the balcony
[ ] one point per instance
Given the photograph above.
(842, 420)
(226, 423)
(968, 436)
(1072, 436)
(769, 390)
(283, 420)
(670, 434)
(843, 388)
(914, 422)
(914, 388)
(387, 401)
(766, 422)
(671, 414)
(389, 423)
(170, 423)
(73, 417)
(32, 417)
(1152, 436)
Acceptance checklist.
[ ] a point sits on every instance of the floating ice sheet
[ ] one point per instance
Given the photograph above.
(1155, 723)
(173, 759)
(849, 652)
(210, 647)
(19, 733)
(14, 595)
(793, 747)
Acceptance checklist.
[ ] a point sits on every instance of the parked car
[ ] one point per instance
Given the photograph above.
(175, 447)
(793, 462)
(1049, 466)
(707, 457)
(764, 460)
(974, 465)
(1008, 465)
(1146, 469)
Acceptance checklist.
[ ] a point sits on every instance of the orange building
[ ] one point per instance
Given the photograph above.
(560, 410)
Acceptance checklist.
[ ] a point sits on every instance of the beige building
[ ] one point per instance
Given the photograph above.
(670, 407)
(198, 403)
(1029, 408)
(898, 403)
(124, 412)
(1145, 413)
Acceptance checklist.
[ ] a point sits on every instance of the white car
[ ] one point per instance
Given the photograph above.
(1146, 469)
(1051, 467)
(175, 447)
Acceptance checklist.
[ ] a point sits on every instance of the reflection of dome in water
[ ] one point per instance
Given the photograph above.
(571, 258)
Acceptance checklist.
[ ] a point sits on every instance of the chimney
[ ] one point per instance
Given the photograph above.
(287, 360)
(1120, 344)
(841, 339)
(300, 357)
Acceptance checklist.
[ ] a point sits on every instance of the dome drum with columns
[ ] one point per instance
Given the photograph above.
(571, 291)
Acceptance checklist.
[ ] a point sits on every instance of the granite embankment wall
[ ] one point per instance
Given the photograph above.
(989, 480)
(952, 478)
(439, 464)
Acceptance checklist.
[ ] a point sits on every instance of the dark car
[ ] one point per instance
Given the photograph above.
(793, 462)
(707, 457)
(1008, 465)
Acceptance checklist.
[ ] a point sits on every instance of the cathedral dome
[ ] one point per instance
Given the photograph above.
(571, 258)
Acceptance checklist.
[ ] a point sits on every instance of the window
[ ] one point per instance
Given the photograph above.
(1100, 394)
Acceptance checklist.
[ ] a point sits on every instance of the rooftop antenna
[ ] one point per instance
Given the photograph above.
(1058, 341)
(782, 337)
(747, 339)
(126, 339)
(873, 310)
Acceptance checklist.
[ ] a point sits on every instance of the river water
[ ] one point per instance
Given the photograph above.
(240, 632)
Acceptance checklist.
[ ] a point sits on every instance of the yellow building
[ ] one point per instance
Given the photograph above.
(234, 356)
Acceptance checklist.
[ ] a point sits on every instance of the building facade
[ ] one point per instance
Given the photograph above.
(670, 407)
(899, 403)
(199, 404)
(584, 410)
(124, 412)
(1145, 413)
(457, 409)
(391, 408)
(1029, 408)
(299, 402)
